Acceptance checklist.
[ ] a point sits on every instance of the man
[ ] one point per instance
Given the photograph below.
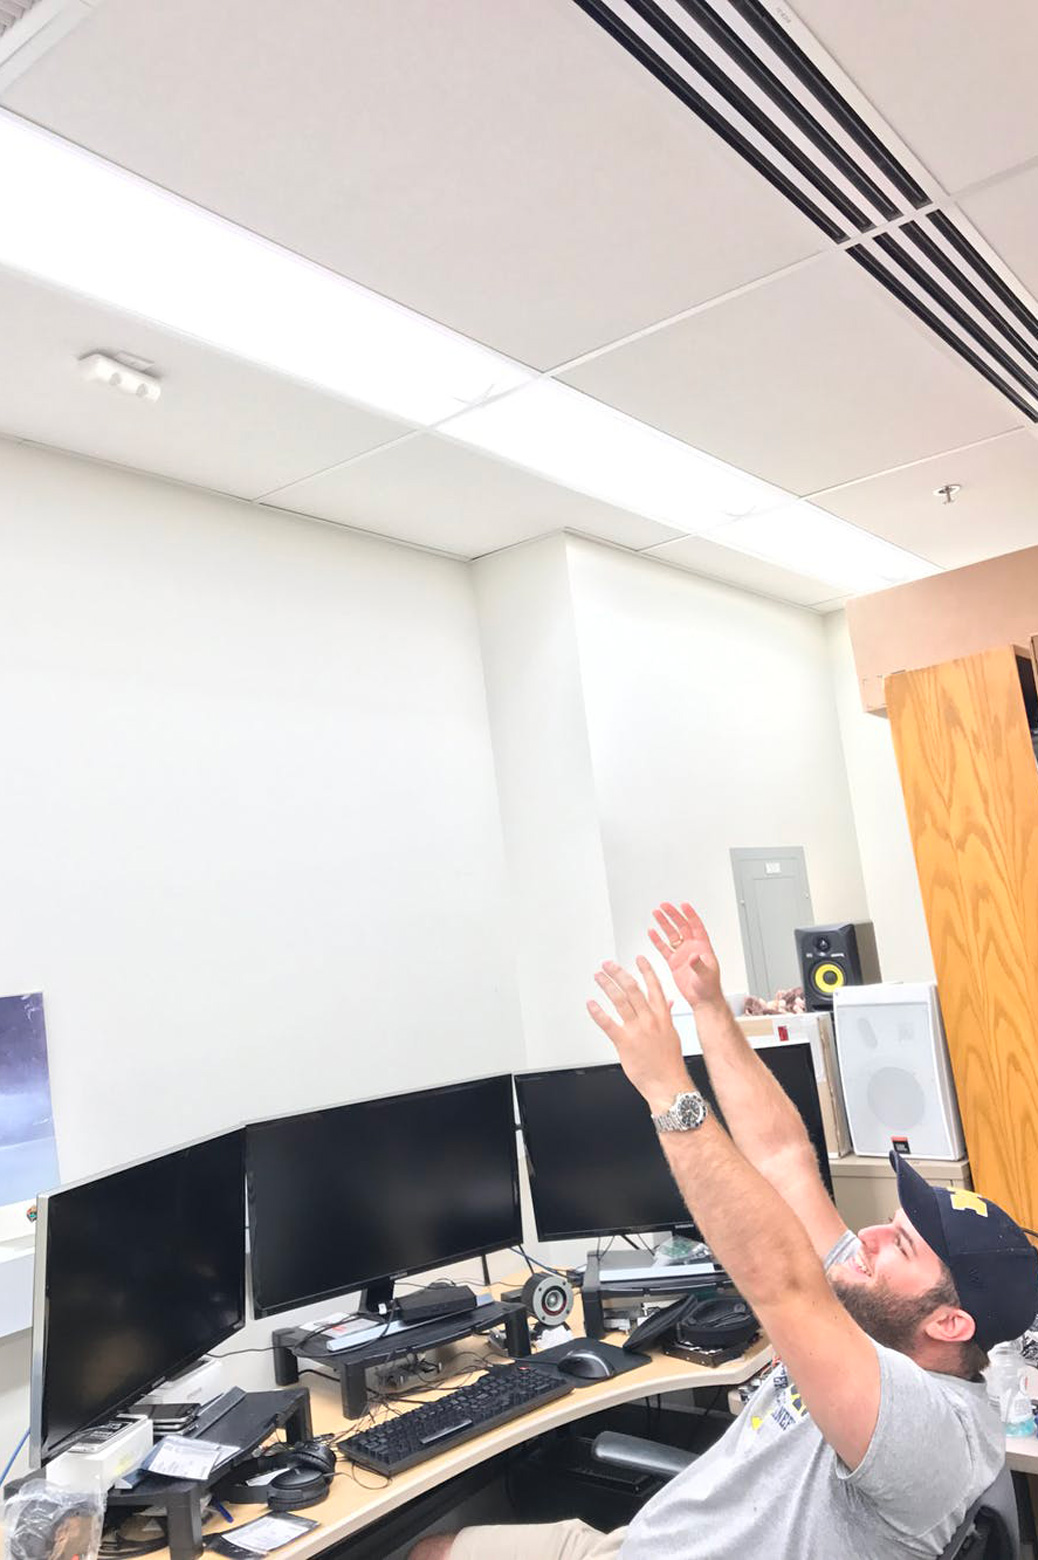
(874, 1435)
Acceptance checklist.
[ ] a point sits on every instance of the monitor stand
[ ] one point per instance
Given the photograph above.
(633, 1263)
(396, 1341)
(630, 1265)
(377, 1298)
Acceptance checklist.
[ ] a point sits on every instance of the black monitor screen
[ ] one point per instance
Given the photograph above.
(143, 1270)
(595, 1162)
(342, 1198)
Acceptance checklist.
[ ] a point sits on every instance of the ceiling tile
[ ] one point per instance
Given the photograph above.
(954, 78)
(996, 512)
(219, 424)
(513, 174)
(736, 568)
(432, 492)
(1006, 214)
(815, 378)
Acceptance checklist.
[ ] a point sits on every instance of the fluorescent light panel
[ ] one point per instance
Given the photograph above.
(810, 541)
(81, 223)
(577, 441)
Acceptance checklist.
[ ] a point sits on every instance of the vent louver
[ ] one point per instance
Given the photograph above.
(28, 28)
(737, 69)
(12, 11)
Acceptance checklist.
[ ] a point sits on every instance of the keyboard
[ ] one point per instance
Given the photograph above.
(504, 1392)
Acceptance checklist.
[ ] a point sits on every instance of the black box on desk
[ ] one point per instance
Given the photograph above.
(618, 1282)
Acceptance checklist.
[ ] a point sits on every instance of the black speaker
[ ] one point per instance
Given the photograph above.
(835, 956)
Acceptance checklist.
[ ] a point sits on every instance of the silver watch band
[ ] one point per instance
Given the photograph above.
(688, 1111)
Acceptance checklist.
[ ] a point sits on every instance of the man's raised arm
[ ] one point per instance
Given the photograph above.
(763, 1121)
(755, 1235)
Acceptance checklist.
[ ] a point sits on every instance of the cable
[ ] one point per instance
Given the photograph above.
(13, 1459)
(639, 1244)
(544, 1267)
(228, 1353)
(315, 1370)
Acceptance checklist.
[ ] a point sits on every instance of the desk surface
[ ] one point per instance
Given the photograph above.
(359, 1498)
(1022, 1453)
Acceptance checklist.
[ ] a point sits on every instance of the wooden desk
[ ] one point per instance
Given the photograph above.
(355, 1503)
(1022, 1457)
(1022, 1453)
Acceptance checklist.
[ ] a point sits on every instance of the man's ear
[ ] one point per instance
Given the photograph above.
(948, 1324)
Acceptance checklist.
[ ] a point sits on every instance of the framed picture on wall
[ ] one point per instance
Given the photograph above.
(28, 1150)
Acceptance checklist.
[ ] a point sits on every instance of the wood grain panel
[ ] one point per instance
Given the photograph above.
(970, 783)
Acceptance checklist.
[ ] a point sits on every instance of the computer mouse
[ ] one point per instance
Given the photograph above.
(586, 1364)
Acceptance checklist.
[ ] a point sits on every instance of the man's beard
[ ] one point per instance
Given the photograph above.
(892, 1320)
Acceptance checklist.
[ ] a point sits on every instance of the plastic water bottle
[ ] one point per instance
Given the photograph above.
(1003, 1377)
(1019, 1417)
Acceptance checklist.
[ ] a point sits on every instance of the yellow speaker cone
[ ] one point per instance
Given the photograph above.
(828, 977)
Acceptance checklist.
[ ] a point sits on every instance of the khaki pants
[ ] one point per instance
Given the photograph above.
(537, 1541)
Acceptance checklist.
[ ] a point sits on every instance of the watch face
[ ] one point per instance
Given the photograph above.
(689, 1110)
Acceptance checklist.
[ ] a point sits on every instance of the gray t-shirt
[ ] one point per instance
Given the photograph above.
(772, 1486)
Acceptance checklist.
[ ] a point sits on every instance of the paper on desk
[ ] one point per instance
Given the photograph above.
(178, 1457)
(263, 1535)
(553, 1335)
(264, 1478)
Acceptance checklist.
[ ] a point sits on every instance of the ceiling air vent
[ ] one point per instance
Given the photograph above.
(12, 11)
(28, 28)
(734, 66)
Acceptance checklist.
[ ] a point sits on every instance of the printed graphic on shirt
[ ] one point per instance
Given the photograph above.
(780, 1405)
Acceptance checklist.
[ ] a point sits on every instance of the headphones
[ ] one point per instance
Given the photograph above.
(305, 1476)
(306, 1480)
(723, 1321)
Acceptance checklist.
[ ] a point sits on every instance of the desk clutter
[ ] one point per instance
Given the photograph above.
(143, 1272)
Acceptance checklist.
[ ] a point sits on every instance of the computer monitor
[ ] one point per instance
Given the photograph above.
(595, 1164)
(138, 1273)
(354, 1197)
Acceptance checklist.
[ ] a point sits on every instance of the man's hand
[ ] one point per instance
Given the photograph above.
(690, 958)
(645, 1037)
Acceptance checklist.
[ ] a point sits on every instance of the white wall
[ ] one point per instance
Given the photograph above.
(248, 822)
(549, 811)
(645, 721)
(887, 862)
(258, 771)
(712, 724)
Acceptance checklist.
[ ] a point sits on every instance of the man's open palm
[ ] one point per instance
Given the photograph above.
(683, 942)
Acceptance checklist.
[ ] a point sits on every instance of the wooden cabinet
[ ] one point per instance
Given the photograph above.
(970, 782)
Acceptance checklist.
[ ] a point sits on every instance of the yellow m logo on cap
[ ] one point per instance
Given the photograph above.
(970, 1201)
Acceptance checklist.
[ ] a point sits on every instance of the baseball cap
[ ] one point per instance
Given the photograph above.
(994, 1265)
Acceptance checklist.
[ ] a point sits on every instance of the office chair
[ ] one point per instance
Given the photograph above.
(990, 1530)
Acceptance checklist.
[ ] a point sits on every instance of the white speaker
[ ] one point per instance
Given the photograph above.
(897, 1080)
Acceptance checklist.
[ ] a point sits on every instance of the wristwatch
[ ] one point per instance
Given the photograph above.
(688, 1112)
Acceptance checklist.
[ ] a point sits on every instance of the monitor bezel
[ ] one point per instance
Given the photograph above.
(260, 1309)
(595, 1232)
(613, 1232)
(42, 1451)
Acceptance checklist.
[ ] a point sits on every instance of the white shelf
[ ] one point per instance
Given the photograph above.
(16, 1267)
